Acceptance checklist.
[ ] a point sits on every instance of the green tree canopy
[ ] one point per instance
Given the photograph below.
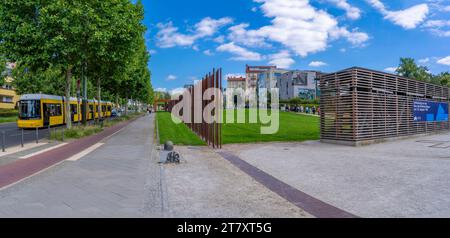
(52, 40)
(408, 68)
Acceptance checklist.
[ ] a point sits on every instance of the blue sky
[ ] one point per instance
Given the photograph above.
(188, 38)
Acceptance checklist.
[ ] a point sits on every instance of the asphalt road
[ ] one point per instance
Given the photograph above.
(13, 134)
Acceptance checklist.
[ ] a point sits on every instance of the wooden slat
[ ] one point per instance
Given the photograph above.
(363, 105)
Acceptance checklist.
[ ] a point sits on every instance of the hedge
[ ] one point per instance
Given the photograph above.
(8, 113)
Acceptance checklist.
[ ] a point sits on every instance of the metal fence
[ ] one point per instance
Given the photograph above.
(360, 106)
(211, 133)
(15, 137)
(20, 137)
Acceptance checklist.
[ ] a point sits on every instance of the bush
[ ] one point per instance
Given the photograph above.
(72, 133)
(76, 132)
(8, 113)
(299, 101)
(84, 131)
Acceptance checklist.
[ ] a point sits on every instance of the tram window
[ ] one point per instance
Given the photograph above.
(91, 108)
(29, 109)
(103, 108)
(58, 111)
(52, 109)
(73, 109)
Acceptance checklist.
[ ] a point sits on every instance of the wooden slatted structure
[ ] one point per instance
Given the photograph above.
(211, 133)
(361, 106)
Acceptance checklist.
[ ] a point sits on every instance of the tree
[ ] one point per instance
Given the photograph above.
(134, 81)
(115, 26)
(2, 69)
(52, 40)
(43, 35)
(442, 79)
(408, 68)
(47, 81)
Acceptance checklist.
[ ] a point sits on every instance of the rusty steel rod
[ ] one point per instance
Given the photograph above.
(210, 133)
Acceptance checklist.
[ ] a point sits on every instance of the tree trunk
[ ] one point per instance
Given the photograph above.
(99, 100)
(117, 100)
(126, 106)
(67, 100)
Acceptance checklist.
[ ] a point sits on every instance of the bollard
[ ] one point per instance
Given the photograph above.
(21, 138)
(3, 140)
(49, 133)
(37, 135)
(62, 134)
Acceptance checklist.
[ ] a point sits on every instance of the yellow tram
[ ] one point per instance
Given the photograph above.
(40, 110)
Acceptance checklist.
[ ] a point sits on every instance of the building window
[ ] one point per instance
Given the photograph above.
(7, 86)
(6, 99)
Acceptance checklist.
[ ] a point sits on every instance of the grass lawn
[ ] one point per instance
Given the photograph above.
(293, 127)
(179, 134)
(8, 119)
(77, 132)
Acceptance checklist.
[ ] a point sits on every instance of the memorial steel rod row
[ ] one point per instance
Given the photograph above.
(211, 133)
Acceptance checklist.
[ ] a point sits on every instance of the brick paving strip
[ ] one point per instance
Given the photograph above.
(21, 169)
(302, 200)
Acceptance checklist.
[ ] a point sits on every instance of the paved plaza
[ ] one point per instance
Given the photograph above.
(122, 177)
(403, 178)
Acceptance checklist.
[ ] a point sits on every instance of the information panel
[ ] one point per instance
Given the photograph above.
(428, 111)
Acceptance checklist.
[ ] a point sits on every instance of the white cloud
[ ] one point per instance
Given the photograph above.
(343, 50)
(354, 37)
(152, 52)
(161, 90)
(437, 23)
(297, 25)
(441, 33)
(446, 9)
(241, 54)
(171, 77)
(438, 27)
(209, 26)
(408, 18)
(208, 53)
(252, 38)
(444, 61)
(391, 69)
(352, 12)
(177, 91)
(317, 64)
(281, 60)
(168, 35)
(424, 61)
(219, 39)
(254, 9)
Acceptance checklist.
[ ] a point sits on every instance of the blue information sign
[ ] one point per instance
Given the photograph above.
(428, 111)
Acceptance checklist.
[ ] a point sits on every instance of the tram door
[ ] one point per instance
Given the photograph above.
(91, 111)
(46, 114)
